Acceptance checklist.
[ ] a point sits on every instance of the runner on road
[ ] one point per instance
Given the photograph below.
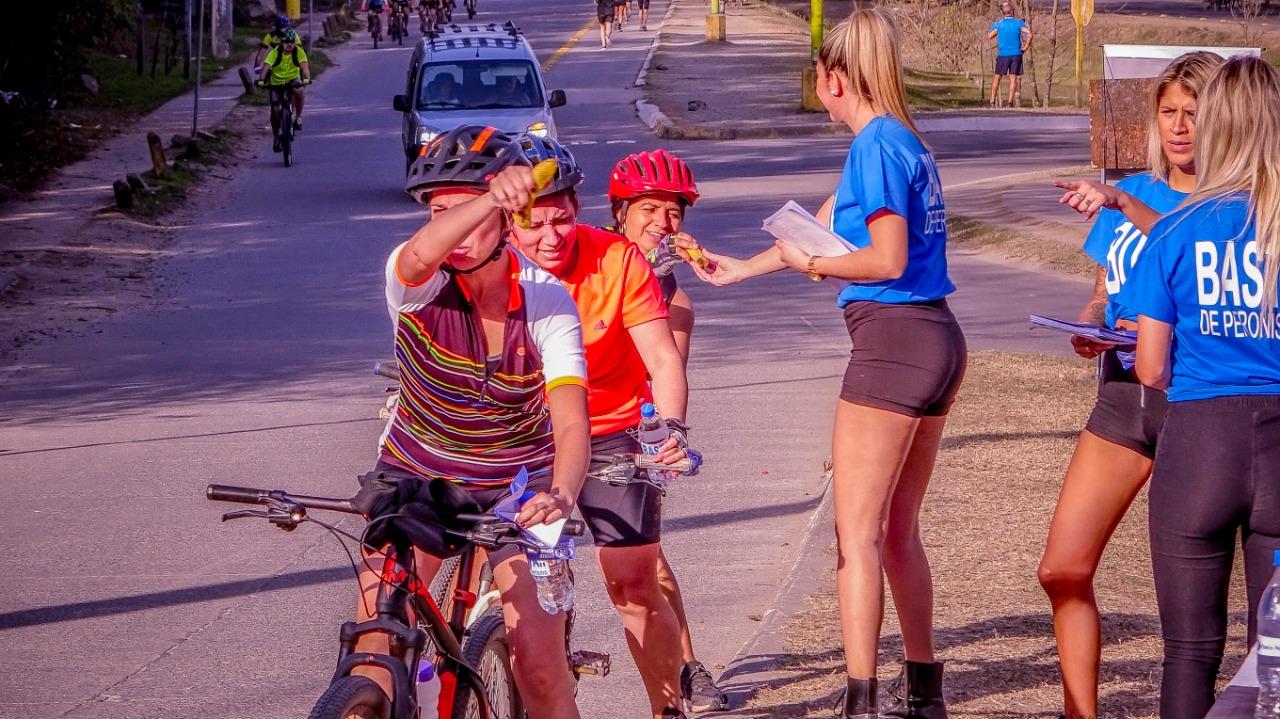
(907, 363)
(628, 341)
(604, 13)
(1114, 453)
(649, 193)
(1205, 295)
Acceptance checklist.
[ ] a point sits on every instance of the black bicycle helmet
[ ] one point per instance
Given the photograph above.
(568, 173)
(467, 156)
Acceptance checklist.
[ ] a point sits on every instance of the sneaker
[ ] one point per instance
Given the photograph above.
(297, 124)
(699, 690)
(644, 28)
(276, 146)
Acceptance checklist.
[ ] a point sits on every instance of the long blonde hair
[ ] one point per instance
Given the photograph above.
(1189, 72)
(1238, 150)
(864, 46)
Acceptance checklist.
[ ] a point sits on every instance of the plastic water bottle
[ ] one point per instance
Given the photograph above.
(428, 690)
(555, 586)
(653, 433)
(1268, 706)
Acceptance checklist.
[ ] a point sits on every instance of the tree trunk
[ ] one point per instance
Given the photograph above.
(1031, 50)
(1053, 56)
(221, 28)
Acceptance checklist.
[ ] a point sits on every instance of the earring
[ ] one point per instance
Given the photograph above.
(834, 93)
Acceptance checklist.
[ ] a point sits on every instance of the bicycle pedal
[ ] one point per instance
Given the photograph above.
(592, 664)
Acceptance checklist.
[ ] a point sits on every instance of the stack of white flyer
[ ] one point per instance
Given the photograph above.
(795, 226)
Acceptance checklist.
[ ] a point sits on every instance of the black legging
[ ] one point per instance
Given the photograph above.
(1217, 472)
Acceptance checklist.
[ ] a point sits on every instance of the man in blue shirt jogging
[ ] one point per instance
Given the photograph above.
(1012, 37)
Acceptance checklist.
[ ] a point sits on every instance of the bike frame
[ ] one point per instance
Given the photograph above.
(400, 590)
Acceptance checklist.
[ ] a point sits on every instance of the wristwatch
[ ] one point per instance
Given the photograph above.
(811, 270)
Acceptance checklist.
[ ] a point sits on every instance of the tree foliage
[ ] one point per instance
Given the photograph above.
(44, 52)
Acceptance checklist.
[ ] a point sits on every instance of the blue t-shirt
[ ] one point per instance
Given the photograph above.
(1116, 244)
(1008, 36)
(888, 168)
(1202, 275)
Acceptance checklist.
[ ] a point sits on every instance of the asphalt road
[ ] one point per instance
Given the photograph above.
(125, 597)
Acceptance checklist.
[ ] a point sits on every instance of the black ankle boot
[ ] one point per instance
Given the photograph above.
(917, 693)
(859, 701)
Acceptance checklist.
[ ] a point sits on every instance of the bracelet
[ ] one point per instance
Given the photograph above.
(812, 271)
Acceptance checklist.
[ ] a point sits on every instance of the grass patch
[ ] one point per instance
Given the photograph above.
(984, 522)
(168, 192)
(933, 90)
(952, 64)
(34, 145)
(986, 237)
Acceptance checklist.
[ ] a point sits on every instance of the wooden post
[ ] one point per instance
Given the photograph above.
(158, 164)
(809, 99)
(123, 194)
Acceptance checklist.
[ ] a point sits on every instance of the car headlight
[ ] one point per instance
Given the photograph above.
(539, 129)
(427, 135)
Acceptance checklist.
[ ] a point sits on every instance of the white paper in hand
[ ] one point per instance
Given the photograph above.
(795, 226)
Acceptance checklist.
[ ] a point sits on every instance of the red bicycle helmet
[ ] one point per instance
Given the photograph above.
(643, 173)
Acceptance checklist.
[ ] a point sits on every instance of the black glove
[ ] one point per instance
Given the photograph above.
(425, 508)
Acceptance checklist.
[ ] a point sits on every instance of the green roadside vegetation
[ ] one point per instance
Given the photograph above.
(1019, 246)
(167, 192)
(35, 144)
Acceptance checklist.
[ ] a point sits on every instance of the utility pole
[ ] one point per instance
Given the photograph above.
(195, 111)
(809, 78)
(186, 60)
(715, 22)
(1082, 12)
(311, 12)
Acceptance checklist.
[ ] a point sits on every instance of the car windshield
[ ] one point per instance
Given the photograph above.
(478, 85)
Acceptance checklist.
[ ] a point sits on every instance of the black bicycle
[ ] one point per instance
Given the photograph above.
(398, 28)
(281, 97)
(470, 653)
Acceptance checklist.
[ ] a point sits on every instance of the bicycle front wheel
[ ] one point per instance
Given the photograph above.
(352, 698)
(486, 649)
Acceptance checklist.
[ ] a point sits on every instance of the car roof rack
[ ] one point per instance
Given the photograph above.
(508, 27)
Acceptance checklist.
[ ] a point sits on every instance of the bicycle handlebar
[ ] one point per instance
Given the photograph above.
(643, 461)
(488, 530)
(249, 495)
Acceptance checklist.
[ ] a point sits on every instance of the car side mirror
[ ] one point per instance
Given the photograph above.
(400, 103)
(558, 98)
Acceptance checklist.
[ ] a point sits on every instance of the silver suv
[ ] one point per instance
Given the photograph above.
(474, 75)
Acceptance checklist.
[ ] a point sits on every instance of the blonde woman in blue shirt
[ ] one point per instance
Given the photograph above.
(1209, 332)
(907, 362)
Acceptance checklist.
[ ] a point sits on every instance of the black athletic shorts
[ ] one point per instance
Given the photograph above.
(629, 516)
(1009, 65)
(486, 497)
(668, 286)
(642, 4)
(1126, 413)
(604, 16)
(906, 358)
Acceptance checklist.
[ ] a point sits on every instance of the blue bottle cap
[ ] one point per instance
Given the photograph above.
(647, 410)
(1275, 558)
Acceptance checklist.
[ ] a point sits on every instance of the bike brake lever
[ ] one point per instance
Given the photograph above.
(243, 513)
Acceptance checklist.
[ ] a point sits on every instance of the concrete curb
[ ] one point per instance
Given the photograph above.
(756, 664)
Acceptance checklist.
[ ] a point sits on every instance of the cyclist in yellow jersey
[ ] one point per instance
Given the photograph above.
(270, 41)
(283, 65)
